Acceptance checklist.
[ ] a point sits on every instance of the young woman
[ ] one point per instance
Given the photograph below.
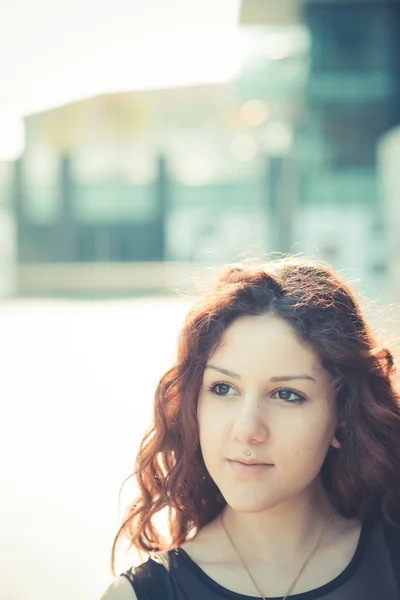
(275, 447)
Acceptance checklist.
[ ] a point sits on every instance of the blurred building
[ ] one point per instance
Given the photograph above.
(141, 176)
(352, 100)
(283, 158)
(389, 180)
(8, 250)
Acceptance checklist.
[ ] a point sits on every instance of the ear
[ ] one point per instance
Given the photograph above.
(339, 437)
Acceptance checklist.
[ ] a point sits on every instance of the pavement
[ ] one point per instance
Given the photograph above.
(77, 383)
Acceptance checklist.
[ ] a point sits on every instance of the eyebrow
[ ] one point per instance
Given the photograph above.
(275, 378)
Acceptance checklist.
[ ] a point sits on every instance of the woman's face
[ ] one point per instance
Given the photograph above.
(264, 392)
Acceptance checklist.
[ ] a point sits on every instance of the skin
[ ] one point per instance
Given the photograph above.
(276, 514)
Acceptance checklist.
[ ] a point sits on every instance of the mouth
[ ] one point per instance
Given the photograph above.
(249, 468)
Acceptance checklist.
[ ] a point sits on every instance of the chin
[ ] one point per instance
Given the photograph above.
(249, 503)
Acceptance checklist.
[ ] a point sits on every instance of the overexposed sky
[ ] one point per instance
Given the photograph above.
(52, 52)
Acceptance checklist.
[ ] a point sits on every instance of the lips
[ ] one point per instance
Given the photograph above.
(253, 461)
(249, 468)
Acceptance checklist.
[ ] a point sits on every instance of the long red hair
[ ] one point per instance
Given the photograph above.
(362, 477)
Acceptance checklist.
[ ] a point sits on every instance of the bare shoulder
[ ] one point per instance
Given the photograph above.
(120, 589)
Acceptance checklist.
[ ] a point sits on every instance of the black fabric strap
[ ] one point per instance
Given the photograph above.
(151, 580)
(392, 535)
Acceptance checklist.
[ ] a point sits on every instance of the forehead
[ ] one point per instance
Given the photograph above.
(264, 342)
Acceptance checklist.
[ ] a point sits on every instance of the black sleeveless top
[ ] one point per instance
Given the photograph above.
(372, 574)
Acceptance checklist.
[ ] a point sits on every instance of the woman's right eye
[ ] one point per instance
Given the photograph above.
(221, 389)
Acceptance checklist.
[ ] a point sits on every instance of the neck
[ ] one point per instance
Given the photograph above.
(286, 530)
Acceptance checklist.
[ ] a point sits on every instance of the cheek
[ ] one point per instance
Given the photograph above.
(307, 446)
(212, 423)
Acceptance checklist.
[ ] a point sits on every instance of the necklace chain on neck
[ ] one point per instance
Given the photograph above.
(308, 559)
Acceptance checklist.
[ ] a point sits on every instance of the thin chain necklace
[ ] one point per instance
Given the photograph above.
(246, 568)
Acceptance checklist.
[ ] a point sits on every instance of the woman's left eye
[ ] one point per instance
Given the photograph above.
(286, 395)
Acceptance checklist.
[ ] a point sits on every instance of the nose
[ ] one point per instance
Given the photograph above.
(250, 425)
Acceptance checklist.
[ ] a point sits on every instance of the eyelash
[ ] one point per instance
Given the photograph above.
(300, 398)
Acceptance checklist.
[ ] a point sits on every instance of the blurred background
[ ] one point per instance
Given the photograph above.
(142, 145)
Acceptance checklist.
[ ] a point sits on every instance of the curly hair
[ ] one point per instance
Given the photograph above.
(361, 478)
